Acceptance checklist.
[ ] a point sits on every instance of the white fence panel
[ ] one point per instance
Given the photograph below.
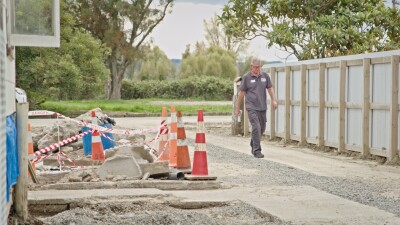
(354, 94)
(295, 85)
(380, 81)
(280, 95)
(312, 95)
(331, 125)
(295, 120)
(331, 113)
(295, 92)
(268, 126)
(332, 85)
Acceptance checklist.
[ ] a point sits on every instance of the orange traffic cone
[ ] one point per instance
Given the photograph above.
(200, 166)
(163, 148)
(31, 153)
(97, 145)
(172, 138)
(182, 153)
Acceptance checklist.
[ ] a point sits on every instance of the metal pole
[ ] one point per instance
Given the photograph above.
(59, 148)
(21, 188)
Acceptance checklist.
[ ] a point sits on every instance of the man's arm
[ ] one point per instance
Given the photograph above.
(239, 102)
(272, 95)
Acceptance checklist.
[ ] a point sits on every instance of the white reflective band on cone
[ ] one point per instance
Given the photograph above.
(200, 127)
(200, 147)
(172, 135)
(181, 142)
(96, 139)
(173, 118)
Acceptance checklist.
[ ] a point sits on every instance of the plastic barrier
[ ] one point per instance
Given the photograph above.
(12, 154)
(87, 140)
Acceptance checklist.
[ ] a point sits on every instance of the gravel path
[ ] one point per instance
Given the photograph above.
(270, 173)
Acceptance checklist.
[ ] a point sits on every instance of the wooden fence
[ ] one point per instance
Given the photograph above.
(350, 103)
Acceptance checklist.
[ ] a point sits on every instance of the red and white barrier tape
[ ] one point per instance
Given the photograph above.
(40, 158)
(94, 126)
(61, 143)
(44, 113)
(163, 129)
(162, 152)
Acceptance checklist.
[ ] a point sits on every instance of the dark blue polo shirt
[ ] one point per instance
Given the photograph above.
(255, 88)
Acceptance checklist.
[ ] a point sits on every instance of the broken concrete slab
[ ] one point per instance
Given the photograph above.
(138, 152)
(120, 165)
(52, 161)
(155, 168)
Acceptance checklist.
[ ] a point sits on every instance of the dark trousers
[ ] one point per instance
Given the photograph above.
(258, 121)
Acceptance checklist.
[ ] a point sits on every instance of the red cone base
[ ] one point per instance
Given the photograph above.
(200, 167)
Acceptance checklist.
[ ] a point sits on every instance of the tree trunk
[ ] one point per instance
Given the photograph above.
(116, 84)
(117, 69)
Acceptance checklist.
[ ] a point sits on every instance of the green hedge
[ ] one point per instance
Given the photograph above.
(207, 88)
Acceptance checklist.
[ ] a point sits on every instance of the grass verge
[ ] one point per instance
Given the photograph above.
(139, 106)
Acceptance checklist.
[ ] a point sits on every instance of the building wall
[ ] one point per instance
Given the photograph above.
(3, 84)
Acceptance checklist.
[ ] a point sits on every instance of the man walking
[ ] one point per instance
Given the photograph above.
(254, 85)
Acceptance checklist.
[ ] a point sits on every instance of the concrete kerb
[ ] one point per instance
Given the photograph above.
(160, 185)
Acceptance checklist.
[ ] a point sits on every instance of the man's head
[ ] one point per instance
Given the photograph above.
(255, 66)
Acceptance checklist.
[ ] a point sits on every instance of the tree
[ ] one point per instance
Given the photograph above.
(107, 21)
(76, 70)
(212, 61)
(155, 66)
(315, 28)
(216, 35)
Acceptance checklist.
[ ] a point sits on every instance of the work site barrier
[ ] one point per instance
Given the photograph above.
(89, 129)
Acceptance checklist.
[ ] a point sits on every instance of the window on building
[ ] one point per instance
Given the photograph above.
(35, 23)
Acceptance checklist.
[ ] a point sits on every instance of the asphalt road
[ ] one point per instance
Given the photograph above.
(140, 122)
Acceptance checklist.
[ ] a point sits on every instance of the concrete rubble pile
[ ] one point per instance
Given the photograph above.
(122, 162)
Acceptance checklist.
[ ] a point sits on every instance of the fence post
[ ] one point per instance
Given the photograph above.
(21, 188)
(321, 127)
(287, 104)
(342, 105)
(366, 106)
(303, 105)
(272, 119)
(394, 108)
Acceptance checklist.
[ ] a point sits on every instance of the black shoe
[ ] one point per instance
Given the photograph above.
(259, 155)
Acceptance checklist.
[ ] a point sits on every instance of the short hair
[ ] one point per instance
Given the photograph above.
(256, 61)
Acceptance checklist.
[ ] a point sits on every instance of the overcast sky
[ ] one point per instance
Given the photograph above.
(185, 26)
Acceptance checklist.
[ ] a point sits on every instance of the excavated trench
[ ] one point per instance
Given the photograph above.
(161, 209)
